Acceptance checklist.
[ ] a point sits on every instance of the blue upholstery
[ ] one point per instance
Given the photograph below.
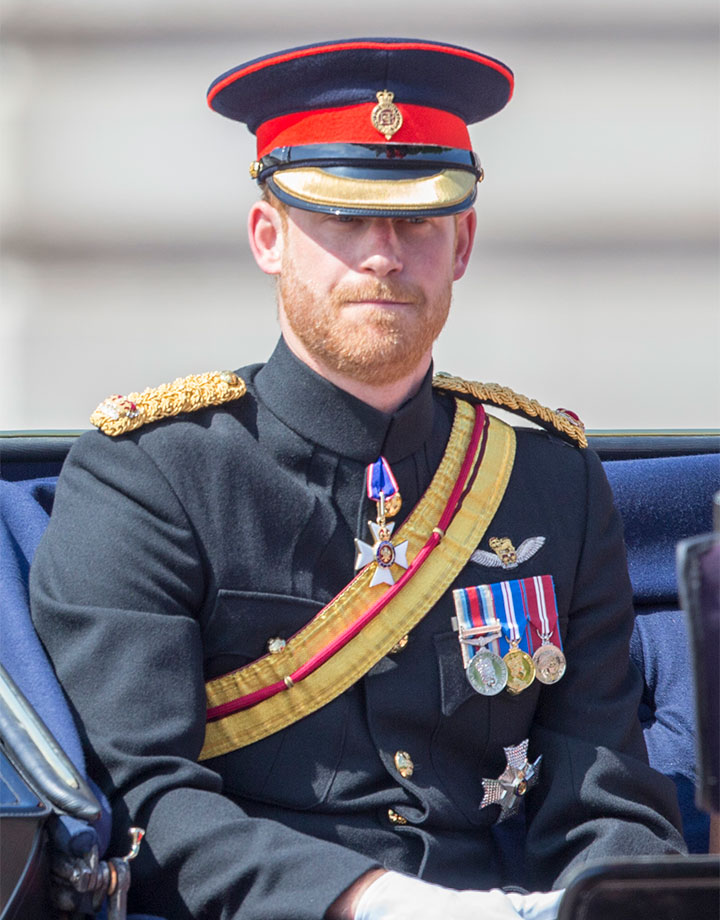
(24, 513)
(25, 507)
(661, 500)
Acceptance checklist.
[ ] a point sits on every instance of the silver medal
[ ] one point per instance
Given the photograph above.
(487, 673)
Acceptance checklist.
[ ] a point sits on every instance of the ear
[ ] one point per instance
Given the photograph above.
(464, 238)
(265, 232)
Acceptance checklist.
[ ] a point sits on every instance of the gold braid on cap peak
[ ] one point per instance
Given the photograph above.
(120, 414)
(563, 421)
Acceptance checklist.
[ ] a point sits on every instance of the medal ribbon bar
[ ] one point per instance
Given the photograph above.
(541, 607)
(526, 609)
(476, 620)
(508, 598)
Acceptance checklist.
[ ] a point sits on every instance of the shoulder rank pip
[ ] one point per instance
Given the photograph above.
(120, 414)
(559, 421)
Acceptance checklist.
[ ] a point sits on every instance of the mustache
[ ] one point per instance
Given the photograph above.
(387, 291)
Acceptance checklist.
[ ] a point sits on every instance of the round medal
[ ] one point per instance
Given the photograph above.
(487, 673)
(550, 664)
(521, 670)
(393, 504)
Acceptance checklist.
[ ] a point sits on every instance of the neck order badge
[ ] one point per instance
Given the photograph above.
(382, 488)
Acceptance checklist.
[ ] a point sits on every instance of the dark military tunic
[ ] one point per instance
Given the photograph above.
(175, 552)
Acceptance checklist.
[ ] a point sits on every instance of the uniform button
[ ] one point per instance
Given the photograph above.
(404, 764)
(230, 378)
(395, 818)
(399, 646)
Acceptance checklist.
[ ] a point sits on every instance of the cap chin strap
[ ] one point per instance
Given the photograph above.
(406, 158)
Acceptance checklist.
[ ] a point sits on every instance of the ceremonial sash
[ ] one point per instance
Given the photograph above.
(362, 624)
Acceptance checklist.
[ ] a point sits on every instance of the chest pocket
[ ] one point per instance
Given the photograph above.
(467, 744)
(295, 767)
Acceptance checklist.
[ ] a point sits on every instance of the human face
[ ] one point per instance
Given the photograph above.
(366, 298)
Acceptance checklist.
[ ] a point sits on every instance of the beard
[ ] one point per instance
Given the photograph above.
(369, 344)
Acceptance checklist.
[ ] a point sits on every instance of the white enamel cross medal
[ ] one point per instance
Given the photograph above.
(385, 553)
(382, 488)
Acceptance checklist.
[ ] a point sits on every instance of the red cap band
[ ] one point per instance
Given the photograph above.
(352, 125)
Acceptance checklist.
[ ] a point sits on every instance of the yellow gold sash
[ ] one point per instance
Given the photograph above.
(354, 659)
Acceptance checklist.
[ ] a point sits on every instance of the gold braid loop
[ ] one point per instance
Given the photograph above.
(120, 414)
(559, 419)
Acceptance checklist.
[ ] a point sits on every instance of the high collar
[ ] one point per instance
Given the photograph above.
(319, 411)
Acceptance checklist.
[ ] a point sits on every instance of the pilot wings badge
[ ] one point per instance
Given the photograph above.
(504, 554)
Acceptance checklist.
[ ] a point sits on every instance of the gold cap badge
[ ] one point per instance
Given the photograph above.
(386, 116)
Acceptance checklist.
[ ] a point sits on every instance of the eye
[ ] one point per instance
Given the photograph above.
(345, 218)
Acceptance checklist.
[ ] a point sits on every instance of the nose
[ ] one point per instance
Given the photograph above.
(382, 250)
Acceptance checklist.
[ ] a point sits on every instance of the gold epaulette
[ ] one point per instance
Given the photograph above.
(561, 420)
(120, 414)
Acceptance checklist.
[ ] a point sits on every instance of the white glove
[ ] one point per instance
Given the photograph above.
(538, 905)
(393, 896)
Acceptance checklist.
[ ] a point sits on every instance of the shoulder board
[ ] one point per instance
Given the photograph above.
(560, 421)
(120, 414)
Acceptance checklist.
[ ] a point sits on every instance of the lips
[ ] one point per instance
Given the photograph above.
(379, 294)
(382, 301)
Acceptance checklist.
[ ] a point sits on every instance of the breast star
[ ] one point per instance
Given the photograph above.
(516, 779)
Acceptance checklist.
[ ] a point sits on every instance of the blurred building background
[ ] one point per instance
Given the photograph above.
(594, 283)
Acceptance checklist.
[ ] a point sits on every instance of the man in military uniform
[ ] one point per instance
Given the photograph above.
(300, 740)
